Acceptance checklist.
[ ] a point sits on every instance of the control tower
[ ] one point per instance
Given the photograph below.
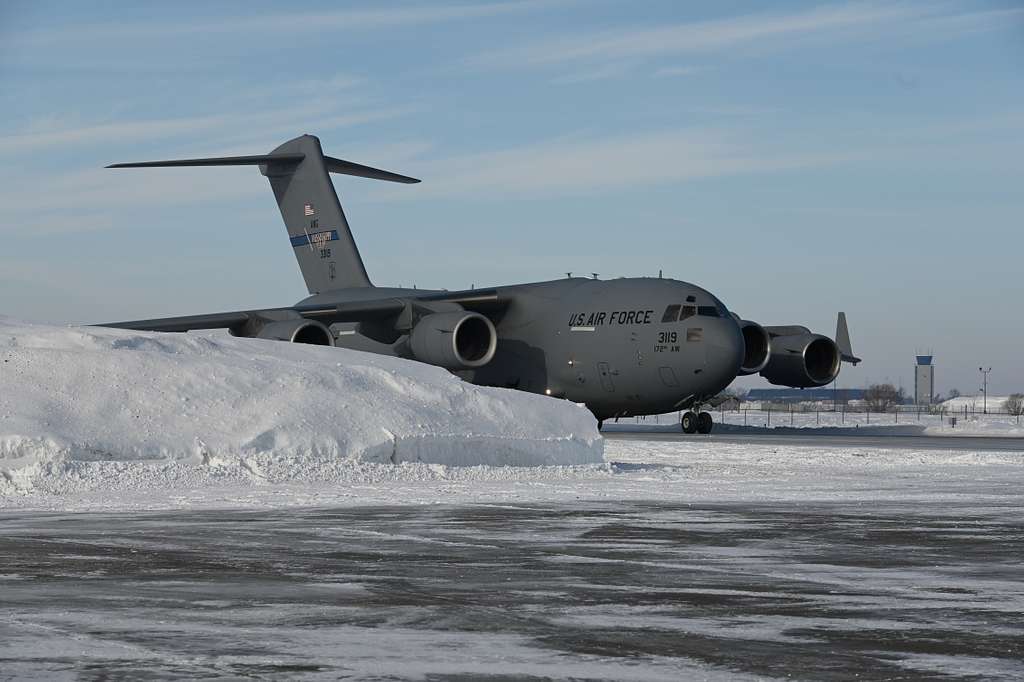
(924, 380)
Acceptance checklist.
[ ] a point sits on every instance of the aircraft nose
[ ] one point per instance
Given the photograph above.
(725, 353)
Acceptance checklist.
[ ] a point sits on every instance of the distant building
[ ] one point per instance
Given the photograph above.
(924, 380)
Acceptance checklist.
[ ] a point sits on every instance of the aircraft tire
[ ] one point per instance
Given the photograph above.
(705, 422)
(689, 422)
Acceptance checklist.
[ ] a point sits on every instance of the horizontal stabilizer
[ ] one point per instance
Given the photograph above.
(318, 232)
(333, 165)
(216, 161)
(348, 168)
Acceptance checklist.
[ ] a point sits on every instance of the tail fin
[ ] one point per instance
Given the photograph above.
(319, 233)
(843, 340)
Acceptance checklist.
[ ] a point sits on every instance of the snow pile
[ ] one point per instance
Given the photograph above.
(89, 408)
(975, 403)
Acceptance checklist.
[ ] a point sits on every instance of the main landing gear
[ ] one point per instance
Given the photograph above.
(697, 423)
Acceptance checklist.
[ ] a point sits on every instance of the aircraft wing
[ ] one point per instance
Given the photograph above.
(479, 300)
(184, 323)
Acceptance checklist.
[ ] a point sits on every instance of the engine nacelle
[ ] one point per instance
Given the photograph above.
(758, 347)
(454, 340)
(802, 361)
(297, 331)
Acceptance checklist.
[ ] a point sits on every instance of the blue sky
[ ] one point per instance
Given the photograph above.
(793, 158)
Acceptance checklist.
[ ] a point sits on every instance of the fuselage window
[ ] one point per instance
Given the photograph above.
(707, 311)
(688, 311)
(671, 313)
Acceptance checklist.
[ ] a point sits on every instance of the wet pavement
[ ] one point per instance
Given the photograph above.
(616, 590)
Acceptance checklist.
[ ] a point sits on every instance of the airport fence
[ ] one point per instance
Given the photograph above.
(805, 415)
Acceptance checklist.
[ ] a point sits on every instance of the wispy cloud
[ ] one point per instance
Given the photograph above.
(604, 72)
(862, 20)
(38, 137)
(676, 71)
(294, 23)
(574, 165)
(97, 199)
(591, 164)
(585, 165)
(320, 86)
(89, 199)
(274, 123)
(97, 193)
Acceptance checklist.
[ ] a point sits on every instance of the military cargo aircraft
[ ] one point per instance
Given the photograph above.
(623, 347)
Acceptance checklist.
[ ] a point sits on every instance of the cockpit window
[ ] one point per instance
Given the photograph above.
(688, 311)
(708, 311)
(671, 313)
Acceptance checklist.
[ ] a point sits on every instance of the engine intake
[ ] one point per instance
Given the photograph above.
(297, 331)
(757, 347)
(802, 361)
(454, 340)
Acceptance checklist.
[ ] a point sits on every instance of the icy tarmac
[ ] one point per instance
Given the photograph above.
(676, 560)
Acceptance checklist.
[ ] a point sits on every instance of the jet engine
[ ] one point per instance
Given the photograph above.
(297, 331)
(758, 347)
(802, 360)
(454, 340)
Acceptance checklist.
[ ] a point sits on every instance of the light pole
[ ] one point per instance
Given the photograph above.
(984, 388)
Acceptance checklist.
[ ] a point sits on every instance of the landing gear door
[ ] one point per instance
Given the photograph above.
(605, 372)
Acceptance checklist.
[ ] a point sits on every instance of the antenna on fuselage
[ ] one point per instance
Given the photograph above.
(568, 275)
(594, 275)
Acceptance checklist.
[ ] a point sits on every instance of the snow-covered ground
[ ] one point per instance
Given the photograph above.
(97, 419)
(102, 409)
(368, 524)
(697, 470)
(692, 559)
(975, 403)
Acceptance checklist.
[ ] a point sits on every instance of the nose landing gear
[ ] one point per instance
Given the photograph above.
(697, 423)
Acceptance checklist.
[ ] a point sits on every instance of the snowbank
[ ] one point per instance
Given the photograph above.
(84, 408)
(975, 403)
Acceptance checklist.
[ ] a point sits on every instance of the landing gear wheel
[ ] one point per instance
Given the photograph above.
(689, 422)
(704, 422)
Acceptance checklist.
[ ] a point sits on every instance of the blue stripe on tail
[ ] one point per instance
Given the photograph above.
(315, 237)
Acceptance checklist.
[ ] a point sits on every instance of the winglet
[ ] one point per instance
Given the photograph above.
(843, 340)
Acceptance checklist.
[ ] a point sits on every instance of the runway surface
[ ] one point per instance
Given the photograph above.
(592, 590)
(971, 443)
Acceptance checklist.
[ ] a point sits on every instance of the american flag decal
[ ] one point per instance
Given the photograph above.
(308, 209)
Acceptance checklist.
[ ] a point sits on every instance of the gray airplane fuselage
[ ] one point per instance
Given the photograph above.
(598, 342)
(622, 347)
